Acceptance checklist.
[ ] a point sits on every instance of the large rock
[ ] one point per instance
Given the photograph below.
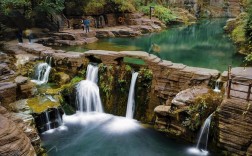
(186, 97)
(13, 140)
(7, 93)
(162, 110)
(25, 88)
(24, 120)
(61, 78)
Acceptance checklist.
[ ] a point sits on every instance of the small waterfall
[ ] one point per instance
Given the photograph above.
(203, 138)
(88, 94)
(43, 71)
(58, 117)
(201, 147)
(48, 122)
(92, 73)
(217, 86)
(131, 97)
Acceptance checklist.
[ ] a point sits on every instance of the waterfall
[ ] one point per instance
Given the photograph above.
(217, 86)
(58, 117)
(88, 95)
(203, 138)
(131, 97)
(43, 71)
(48, 123)
(201, 147)
(92, 73)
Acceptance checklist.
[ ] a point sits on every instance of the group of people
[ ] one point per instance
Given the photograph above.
(85, 25)
(28, 34)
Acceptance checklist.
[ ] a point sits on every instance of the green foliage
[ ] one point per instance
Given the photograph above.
(106, 79)
(32, 6)
(125, 5)
(76, 79)
(128, 68)
(161, 12)
(238, 34)
(201, 108)
(99, 6)
(50, 6)
(94, 6)
(248, 59)
(6, 6)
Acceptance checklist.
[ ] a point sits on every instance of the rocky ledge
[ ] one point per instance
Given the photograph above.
(15, 136)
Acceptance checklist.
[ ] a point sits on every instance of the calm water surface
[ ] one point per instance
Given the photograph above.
(201, 45)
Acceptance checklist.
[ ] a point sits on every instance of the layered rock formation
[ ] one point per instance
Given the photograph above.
(233, 127)
(187, 111)
(168, 78)
(234, 131)
(14, 136)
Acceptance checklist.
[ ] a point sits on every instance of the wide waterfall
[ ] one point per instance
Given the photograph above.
(88, 95)
(42, 71)
(131, 97)
(201, 147)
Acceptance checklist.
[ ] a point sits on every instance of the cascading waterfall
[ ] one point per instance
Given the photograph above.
(43, 71)
(92, 73)
(201, 147)
(88, 95)
(203, 138)
(131, 97)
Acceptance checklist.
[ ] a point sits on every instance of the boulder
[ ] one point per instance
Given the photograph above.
(21, 80)
(104, 34)
(162, 110)
(186, 97)
(12, 140)
(61, 78)
(8, 92)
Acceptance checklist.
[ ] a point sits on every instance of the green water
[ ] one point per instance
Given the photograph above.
(99, 134)
(200, 45)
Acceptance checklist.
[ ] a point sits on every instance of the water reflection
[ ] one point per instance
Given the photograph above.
(201, 45)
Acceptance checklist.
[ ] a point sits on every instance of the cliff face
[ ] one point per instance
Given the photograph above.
(13, 140)
(212, 8)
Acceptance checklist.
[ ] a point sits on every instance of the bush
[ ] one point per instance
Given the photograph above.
(162, 13)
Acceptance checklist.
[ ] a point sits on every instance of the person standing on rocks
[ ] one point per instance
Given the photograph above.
(86, 24)
(20, 36)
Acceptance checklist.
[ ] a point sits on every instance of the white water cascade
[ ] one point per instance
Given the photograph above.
(201, 147)
(88, 95)
(217, 86)
(48, 125)
(131, 97)
(43, 71)
(59, 119)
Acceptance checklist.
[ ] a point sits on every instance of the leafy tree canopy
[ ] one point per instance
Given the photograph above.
(31, 6)
(101, 6)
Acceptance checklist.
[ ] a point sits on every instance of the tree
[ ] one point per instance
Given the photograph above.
(101, 6)
(31, 7)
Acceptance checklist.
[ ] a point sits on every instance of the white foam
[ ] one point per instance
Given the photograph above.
(121, 125)
(197, 151)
